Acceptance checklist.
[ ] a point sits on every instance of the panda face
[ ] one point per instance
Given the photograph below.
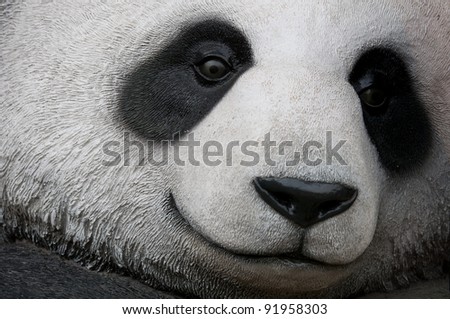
(366, 75)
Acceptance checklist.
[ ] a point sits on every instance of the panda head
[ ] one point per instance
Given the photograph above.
(357, 94)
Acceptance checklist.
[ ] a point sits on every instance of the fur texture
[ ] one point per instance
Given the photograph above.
(203, 230)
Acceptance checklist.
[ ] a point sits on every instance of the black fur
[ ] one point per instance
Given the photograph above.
(27, 271)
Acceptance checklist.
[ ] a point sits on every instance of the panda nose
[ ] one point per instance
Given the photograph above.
(305, 203)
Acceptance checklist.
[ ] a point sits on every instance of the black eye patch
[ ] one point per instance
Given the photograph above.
(393, 113)
(176, 88)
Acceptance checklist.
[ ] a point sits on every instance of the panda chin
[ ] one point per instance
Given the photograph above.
(290, 275)
(290, 258)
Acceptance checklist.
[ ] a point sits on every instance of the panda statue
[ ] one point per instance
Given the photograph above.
(222, 149)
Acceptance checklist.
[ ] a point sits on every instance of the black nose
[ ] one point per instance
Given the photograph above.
(305, 203)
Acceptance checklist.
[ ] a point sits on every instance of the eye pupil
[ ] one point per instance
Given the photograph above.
(373, 97)
(213, 69)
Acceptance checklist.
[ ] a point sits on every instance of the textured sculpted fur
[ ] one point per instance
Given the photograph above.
(75, 77)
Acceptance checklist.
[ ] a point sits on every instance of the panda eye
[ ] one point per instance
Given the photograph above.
(393, 113)
(213, 68)
(373, 97)
(175, 88)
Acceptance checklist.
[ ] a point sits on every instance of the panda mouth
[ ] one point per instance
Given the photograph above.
(293, 258)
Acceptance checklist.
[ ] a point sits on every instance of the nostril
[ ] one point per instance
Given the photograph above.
(283, 199)
(305, 203)
(329, 205)
(286, 201)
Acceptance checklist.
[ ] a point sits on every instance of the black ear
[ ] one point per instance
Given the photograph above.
(400, 128)
(164, 95)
